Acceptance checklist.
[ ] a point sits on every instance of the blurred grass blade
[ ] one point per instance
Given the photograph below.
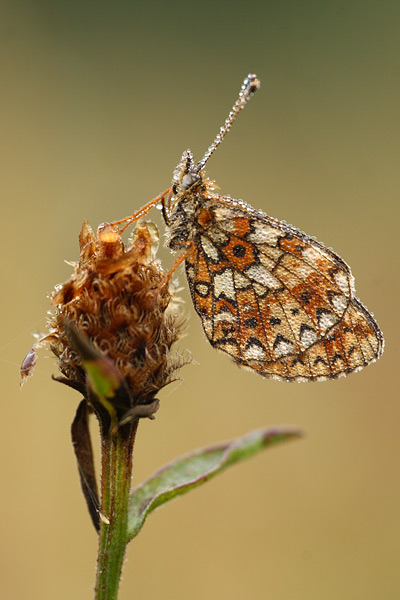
(190, 471)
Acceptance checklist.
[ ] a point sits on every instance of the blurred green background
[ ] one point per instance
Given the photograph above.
(98, 101)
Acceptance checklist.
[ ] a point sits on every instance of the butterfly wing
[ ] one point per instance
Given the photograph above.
(274, 299)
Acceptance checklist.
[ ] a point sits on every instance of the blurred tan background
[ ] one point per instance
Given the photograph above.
(98, 101)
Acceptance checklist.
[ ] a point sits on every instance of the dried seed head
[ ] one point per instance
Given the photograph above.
(116, 301)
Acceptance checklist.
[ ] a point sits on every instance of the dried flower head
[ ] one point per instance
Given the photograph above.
(117, 302)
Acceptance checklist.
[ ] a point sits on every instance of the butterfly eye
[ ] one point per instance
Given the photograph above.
(174, 189)
(188, 180)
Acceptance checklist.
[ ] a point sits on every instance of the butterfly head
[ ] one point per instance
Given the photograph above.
(185, 175)
(186, 182)
(179, 206)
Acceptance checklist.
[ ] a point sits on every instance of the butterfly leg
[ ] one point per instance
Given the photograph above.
(141, 212)
(178, 261)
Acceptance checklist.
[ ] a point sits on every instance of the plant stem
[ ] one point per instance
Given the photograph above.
(117, 459)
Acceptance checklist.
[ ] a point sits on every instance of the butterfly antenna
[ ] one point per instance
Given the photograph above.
(249, 86)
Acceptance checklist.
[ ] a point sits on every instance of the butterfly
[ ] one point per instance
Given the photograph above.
(274, 299)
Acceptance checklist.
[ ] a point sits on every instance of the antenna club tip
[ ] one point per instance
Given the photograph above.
(251, 83)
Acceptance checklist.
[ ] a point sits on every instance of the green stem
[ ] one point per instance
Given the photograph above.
(117, 455)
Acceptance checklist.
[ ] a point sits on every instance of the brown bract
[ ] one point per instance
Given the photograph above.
(118, 301)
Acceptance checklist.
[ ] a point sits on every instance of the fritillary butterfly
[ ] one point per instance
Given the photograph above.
(275, 300)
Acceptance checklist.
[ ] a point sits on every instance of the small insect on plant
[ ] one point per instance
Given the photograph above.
(274, 299)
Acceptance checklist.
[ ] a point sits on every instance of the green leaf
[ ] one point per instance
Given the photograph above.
(190, 471)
